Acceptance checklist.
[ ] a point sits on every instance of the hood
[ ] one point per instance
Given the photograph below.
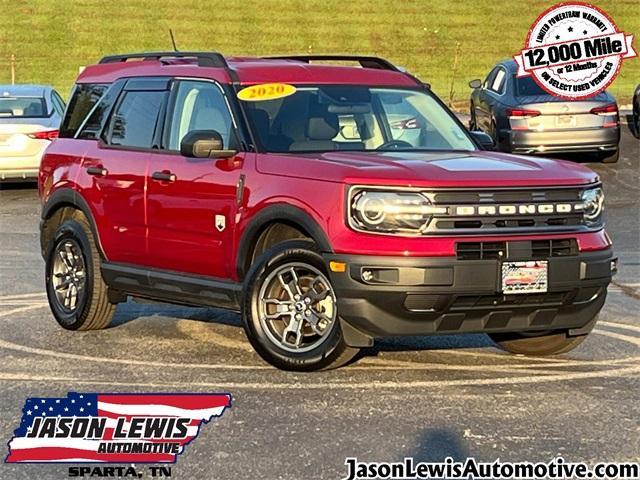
(428, 169)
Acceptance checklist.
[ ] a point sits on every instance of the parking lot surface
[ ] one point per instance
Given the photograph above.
(429, 398)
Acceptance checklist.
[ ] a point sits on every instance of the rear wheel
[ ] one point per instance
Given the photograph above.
(538, 344)
(290, 310)
(76, 291)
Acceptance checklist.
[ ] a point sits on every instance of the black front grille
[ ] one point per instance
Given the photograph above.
(480, 250)
(527, 250)
(541, 249)
(492, 301)
(506, 211)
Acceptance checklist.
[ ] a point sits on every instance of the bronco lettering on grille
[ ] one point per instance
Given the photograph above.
(526, 209)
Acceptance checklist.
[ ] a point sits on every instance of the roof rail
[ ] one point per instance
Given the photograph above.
(365, 62)
(205, 59)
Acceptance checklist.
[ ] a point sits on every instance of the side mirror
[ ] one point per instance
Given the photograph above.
(484, 139)
(204, 144)
(475, 83)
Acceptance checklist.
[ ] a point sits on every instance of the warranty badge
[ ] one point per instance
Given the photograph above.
(574, 50)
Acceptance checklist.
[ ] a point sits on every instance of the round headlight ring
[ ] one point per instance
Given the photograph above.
(593, 203)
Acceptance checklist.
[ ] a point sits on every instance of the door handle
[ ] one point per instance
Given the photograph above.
(98, 171)
(164, 176)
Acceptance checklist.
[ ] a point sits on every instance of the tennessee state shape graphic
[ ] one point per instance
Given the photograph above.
(112, 428)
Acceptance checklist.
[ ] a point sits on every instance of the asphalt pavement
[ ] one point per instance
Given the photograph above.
(429, 398)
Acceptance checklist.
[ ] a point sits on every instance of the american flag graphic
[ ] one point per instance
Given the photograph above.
(112, 428)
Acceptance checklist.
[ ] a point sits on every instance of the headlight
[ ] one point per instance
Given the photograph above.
(593, 205)
(386, 211)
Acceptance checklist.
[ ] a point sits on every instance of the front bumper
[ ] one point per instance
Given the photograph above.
(585, 140)
(444, 295)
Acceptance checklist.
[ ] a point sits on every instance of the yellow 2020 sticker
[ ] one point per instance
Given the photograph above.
(266, 91)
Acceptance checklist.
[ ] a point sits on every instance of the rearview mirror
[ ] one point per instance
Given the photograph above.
(484, 139)
(475, 83)
(204, 144)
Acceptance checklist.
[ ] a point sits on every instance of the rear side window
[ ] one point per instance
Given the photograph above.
(83, 98)
(58, 103)
(498, 81)
(133, 123)
(22, 107)
(92, 128)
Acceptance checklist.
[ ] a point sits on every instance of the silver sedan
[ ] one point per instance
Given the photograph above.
(30, 116)
(522, 118)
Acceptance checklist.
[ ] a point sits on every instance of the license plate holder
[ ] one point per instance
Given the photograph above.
(525, 277)
(566, 121)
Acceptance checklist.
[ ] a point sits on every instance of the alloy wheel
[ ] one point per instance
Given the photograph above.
(297, 307)
(68, 275)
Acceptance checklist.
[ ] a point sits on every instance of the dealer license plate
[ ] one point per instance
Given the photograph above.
(525, 277)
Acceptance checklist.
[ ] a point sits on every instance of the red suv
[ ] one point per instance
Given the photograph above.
(330, 204)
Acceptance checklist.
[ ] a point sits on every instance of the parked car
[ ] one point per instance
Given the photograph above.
(29, 119)
(197, 179)
(636, 111)
(522, 118)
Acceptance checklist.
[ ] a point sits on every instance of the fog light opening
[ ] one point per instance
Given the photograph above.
(367, 275)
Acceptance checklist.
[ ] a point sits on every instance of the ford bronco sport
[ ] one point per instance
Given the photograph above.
(330, 204)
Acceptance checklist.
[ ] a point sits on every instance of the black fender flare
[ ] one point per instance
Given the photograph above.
(283, 213)
(67, 197)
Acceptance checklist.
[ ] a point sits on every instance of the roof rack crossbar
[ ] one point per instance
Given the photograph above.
(365, 62)
(205, 59)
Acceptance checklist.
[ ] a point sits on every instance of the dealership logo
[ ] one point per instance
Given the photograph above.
(574, 50)
(112, 428)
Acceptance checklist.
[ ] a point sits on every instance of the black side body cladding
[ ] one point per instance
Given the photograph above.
(172, 287)
(278, 213)
(66, 197)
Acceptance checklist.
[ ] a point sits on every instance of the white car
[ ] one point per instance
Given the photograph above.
(30, 116)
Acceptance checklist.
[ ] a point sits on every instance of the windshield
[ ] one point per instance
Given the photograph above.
(527, 86)
(355, 118)
(19, 107)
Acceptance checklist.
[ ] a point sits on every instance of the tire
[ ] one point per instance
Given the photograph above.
(539, 345)
(610, 157)
(91, 310)
(473, 123)
(276, 339)
(493, 131)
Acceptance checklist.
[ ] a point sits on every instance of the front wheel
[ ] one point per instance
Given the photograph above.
(473, 123)
(290, 310)
(538, 344)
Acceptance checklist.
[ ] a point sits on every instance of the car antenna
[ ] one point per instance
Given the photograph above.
(173, 41)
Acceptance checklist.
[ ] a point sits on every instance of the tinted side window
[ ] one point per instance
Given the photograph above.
(133, 123)
(199, 106)
(93, 127)
(83, 98)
